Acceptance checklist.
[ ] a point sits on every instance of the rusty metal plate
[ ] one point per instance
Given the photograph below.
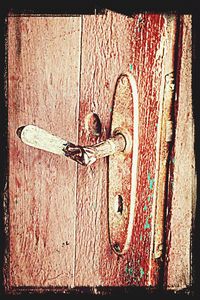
(123, 166)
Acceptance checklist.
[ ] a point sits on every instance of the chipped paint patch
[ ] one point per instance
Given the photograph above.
(151, 181)
(140, 236)
(129, 271)
(149, 198)
(131, 67)
(141, 272)
(145, 208)
(147, 225)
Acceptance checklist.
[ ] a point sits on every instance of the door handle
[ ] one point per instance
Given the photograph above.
(122, 149)
(39, 138)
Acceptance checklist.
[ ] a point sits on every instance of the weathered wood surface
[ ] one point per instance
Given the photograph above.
(182, 177)
(121, 44)
(163, 148)
(60, 71)
(43, 87)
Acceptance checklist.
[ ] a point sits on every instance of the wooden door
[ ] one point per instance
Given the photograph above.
(61, 69)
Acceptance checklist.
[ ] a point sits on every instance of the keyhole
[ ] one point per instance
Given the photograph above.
(119, 203)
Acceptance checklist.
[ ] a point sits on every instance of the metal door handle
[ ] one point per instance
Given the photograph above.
(84, 155)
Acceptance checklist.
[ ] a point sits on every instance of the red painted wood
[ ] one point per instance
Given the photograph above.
(147, 44)
(61, 70)
(121, 44)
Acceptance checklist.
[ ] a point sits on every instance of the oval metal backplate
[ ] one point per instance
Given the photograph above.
(123, 166)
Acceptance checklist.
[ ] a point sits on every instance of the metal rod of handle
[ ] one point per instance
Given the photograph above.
(84, 155)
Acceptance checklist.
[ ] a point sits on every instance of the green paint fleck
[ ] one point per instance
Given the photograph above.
(141, 237)
(149, 198)
(131, 67)
(147, 225)
(157, 125)
(111, 109)
(145, 208)
(151, 184)
(151, 181)
(129, 271)
(141, 272)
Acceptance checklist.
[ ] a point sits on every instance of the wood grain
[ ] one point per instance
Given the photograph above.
(164, 144)
(61, 72)
(43, 89)
(182, 178)
(120, 44)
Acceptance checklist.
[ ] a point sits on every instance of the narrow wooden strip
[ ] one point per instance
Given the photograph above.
(164, 132)
(181, 201)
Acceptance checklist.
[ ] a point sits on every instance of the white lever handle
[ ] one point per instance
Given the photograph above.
(41, 139)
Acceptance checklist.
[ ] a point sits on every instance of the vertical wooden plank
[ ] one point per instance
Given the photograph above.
(164, 144)
(120, 44)
(148, 60)
(146, 57)
(182, 178)
(101, 67)
(43, 89)
(91, 183)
